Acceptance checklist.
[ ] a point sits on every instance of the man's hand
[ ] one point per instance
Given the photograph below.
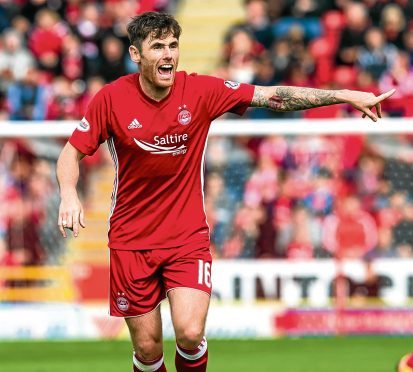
(364, 102)
(71, 214)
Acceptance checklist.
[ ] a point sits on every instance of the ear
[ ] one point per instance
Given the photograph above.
(135, 56)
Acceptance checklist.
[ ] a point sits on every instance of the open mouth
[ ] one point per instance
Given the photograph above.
(165, 70)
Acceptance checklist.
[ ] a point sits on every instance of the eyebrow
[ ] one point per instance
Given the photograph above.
(158, 43)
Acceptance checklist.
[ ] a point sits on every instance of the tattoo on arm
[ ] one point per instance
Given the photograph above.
(292, 98)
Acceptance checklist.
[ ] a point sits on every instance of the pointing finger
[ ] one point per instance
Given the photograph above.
(386, 95)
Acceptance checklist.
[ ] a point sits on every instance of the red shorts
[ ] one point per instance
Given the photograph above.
(140, 280)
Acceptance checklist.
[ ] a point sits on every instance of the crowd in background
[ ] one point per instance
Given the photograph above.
(365, 45)
(304, 197)
(316, 196)
(296, 197)
(55, 55)
(28, 199)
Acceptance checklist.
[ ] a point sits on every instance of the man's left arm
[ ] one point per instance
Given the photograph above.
(289, 98)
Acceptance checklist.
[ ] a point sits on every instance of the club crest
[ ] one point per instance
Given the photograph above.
(122, 303)
(184, 116)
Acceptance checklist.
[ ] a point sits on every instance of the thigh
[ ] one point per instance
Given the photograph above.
(136, 285)
(189, 308)
(146, 333)
(187, 278)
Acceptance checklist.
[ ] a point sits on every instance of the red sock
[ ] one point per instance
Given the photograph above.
(156, 365)
(195, 360)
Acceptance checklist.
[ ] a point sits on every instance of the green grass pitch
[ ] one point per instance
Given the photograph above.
(355, 354)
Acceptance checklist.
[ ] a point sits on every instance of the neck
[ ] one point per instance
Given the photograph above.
(155, 93)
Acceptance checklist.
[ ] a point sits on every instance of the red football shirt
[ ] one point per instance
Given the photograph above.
(158, 149)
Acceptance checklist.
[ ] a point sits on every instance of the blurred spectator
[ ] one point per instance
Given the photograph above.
(281, 56)
(350, 232)
(377, 56)
(262, 185)
(27, 99)
(63, 104)
(302, 236)
(46, 40)
(391, 210)
(72, 61)
(112, 64)
(320, 200)
(393, 23)
(22, 26)
(242, 241)
(368, 179)
(90, 33)
(15, 60)
(352, 37)
(239, 52)
(257, 21)
(400, 77)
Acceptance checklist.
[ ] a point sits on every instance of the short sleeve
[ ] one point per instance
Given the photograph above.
(225, 96)
(93, 129)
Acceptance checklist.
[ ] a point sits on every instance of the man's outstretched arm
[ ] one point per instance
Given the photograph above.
(289, 98)
(70, 211)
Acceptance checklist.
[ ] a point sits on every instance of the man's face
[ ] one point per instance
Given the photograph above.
(158, 60)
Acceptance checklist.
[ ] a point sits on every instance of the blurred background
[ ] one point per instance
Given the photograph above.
(312, 231)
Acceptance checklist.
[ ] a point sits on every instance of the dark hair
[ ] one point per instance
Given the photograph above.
(158, 25)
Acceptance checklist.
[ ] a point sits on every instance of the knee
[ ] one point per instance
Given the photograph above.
(190, 337)
(149, 349)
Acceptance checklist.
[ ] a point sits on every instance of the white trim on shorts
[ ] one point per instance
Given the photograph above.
(181, 286)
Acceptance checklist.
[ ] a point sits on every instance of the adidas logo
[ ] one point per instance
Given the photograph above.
(135, 124)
